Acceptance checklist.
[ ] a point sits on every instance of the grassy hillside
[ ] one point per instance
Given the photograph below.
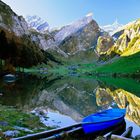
(128, 65)
(123, 65)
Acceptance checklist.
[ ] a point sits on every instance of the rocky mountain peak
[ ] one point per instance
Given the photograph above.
(127, 40)
(37, 23)
(89, 17)
(72, 28)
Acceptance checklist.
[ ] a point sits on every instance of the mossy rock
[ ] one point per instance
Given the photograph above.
(11, 117)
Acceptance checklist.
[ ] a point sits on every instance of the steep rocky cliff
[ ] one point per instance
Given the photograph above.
(24, 40)
(83, 39)
(17, 25)
(126, 41)
(129, 42)
(104, 44)
(11, 21)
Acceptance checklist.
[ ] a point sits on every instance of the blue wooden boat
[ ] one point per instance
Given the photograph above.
(103, 120)
(98, 123)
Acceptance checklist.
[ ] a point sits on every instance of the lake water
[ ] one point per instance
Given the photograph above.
(66, 100)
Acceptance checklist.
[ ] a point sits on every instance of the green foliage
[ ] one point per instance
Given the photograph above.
(20, 51)
(48, 56)
(83, 57)
(13, 117)
(120, 66)
(104, 57)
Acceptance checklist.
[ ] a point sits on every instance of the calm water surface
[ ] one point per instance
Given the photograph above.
(61, 101)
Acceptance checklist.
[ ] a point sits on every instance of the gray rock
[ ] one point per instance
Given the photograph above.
(11, 133)
(23, 129)
(3, 123)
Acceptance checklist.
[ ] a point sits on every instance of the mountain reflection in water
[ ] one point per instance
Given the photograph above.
(74, 97)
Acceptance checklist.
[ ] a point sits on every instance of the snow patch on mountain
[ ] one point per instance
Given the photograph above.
(72, 28)
(111, 29)
(89, 15)
(37, 23)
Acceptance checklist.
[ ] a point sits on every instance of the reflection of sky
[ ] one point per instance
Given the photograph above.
(59, 119)
(53, 118)
(136, 129)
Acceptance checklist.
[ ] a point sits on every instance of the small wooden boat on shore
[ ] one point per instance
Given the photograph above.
(103, 120)
(95, 124)
(9, 78)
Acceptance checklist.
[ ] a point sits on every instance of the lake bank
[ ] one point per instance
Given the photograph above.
(71, 98)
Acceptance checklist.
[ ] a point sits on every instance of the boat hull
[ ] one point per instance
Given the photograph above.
(102, 121)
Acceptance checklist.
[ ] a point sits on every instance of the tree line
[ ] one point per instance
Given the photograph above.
(22, 53)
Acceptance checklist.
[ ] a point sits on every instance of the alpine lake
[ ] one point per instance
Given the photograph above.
(58, 101)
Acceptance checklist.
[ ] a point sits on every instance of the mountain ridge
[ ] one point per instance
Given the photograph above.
(78, 38)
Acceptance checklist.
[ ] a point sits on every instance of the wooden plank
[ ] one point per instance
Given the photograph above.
(115, 131)
(128, 132)
(45, 134)
(63, 134)
(116, 137)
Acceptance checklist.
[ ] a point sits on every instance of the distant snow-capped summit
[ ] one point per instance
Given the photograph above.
(73, 27)
(112, 28)
(37, 23)
(89, 15)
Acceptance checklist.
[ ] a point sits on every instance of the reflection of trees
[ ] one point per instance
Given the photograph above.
(20, 93)
(74, 97)
(120, 96)
(24, 92)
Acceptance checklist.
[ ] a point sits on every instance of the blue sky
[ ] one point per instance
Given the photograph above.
(62, 12)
